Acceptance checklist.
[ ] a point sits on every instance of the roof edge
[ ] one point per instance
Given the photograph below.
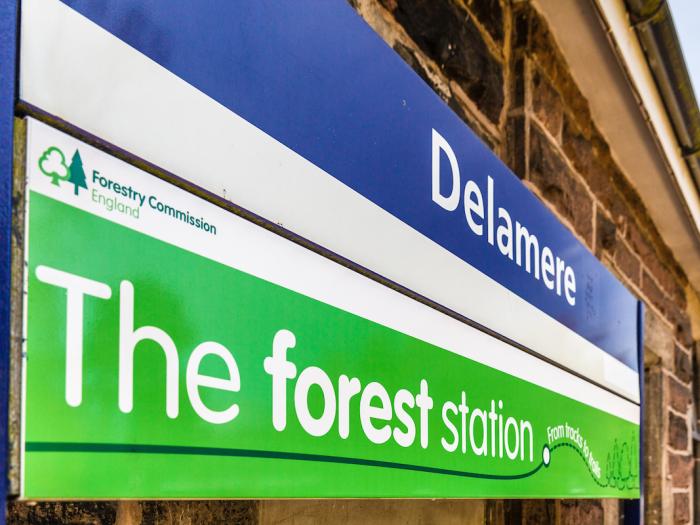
(657, 34)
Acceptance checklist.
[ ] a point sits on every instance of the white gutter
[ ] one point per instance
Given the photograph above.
(614, 14)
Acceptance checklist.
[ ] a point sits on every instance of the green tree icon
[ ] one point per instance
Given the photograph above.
(52, 163)
(77, 173)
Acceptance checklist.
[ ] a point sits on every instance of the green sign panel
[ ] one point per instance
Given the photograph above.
(176, 351)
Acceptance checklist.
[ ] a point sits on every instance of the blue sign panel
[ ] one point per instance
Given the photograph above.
(8, 61)
(316, 78)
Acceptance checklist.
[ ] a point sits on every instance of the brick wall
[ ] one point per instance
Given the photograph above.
(496, 65)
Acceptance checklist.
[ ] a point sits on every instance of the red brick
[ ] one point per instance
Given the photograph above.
(665, 273)
(489, 13)
(559, 185)
(677, 432)
(627, 262)
(544, 49)
(521, 25)
(388, 4)
(680, 395)
(577, 145)
(681, 508)
(517, 83)
(681, 470)
(653, 293)
(682, 365)
(606, 239)
(515, 145)
(684, 332)
(449, 36)
(546, 103)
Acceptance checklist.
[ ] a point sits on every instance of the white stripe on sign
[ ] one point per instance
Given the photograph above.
(100, 84)
(245, 246)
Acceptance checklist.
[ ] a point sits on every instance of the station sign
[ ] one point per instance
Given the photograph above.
(175, 350)
(318, 126)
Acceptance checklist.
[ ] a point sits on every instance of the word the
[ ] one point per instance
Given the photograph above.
(77, 288)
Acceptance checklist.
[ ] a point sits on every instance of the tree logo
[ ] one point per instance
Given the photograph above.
(77, 174)
(52, 163)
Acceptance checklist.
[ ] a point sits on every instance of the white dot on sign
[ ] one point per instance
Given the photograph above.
(546, 455)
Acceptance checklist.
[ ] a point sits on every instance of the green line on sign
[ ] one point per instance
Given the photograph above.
(35, 446)
(68, 447)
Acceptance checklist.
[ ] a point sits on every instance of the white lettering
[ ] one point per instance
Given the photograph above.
(195, 380)
(474, 205)
(309, 377)
(369, 412)
(518, 244)
(76, 287)
(128, 339)
(450, 202)
(281, 370)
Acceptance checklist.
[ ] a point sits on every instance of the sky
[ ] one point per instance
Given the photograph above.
(686, 18)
